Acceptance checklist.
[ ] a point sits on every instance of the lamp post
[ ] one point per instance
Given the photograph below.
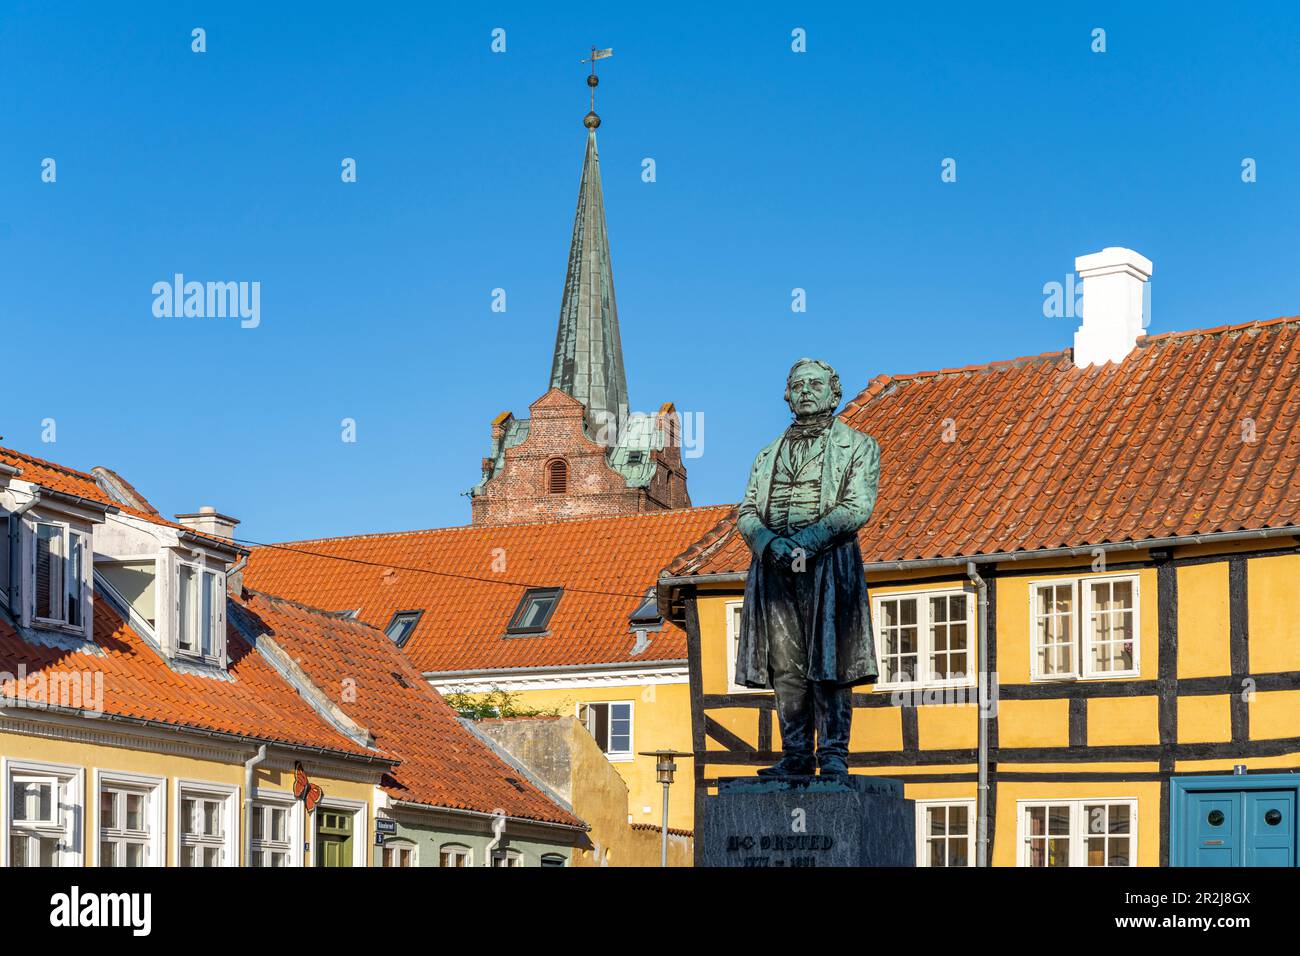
(664, 770)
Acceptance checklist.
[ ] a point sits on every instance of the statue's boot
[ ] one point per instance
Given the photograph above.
(790, 766)
(834, 767)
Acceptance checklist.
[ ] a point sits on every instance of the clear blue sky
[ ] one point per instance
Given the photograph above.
(775, 170)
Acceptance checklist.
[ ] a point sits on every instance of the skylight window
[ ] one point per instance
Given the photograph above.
(402, 626)
(533, 615)
(646, 616)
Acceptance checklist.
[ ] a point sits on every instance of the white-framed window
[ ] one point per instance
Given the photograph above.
(925, 638)
(60, 557)
(207, 824)
(399, 853)
(131, 819)
(1085, 627)
(43, 815)
(610, 722)
(945, 833)
(509, 859)
(455, 854)
(275, 831)
(734, 609)
(200, 612)
(1100, 832)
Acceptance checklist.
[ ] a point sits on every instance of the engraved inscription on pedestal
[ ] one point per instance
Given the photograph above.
(789, 822)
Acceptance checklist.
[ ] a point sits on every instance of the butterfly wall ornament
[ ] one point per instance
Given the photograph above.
(304, 790)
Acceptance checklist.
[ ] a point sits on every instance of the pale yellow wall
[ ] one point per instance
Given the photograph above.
(1204, 719)
(95, 757)
(1274, 614)
(1034, 723)
(1203, 620)
(661, 720)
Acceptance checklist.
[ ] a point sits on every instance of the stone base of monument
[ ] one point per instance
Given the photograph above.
(808, 821)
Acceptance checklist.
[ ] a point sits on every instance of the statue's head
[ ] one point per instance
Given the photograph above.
(811, 388)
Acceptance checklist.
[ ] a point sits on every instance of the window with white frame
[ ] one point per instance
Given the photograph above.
(454, 854)
(1078, 833)
(43, 815)
(611, 724)
(130, 820)
(507, 858)
(945, 832)
(200, 612)
(206, 826)
(734, 609)
(59, 559)
(399, 853)
(1085, 627)
(924, 639)
(274, 828)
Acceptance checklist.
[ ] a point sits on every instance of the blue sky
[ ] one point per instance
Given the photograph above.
(775, 170)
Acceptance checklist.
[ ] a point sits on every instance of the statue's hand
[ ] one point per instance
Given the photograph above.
(782, 549)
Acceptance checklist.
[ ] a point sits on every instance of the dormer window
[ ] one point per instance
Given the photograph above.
(646, 616)
(58, 572)
(200, 613)
(557, 477)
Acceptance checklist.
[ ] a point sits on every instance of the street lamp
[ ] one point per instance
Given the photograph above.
(664, 770)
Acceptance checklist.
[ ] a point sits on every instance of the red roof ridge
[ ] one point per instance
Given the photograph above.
(310, 609)
(45, 463)
(593, 519)
(1164, 337)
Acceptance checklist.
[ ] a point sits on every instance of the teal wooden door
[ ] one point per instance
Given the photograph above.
(1239, 828)
(1212, 829)
(1269, 825)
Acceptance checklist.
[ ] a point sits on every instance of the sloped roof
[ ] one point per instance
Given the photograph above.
(79, 484)
(442, 763)
(469, 581)
(138, 683)
(1192, 433)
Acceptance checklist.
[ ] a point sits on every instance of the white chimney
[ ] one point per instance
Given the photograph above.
(210, 521)
(1113, 284)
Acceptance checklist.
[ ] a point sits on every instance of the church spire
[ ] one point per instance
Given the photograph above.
(588, 361)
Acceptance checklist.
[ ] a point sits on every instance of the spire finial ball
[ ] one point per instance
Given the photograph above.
(591, 120)
(592, 79)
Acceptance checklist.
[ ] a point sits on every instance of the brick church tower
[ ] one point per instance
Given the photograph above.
(580, 453)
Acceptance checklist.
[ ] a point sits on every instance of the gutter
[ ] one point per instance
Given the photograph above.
(995, 557)
(566, 668)
(249, 765)
(214, 734)
(982, 789)
(478, 814)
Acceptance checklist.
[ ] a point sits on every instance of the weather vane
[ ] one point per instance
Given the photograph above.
(591, 120)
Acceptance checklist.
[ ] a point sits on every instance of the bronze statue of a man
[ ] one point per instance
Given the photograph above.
(805, 629)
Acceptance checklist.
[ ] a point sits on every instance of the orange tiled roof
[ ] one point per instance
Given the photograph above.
(138, 683)
(1046, 455)
(69, 481)
(605, 565)
(442, 763)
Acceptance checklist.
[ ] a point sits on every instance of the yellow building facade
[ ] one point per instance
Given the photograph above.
(1098, 766)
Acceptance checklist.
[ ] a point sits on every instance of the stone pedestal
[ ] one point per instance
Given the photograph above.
(808, 821)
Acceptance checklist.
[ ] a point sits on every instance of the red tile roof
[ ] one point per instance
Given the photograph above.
(1193, 433)
(138, 683)
(79, 484)
(442, 763)
(469, 581)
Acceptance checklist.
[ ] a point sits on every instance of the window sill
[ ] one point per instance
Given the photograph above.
(620, 758)
(1081, 678)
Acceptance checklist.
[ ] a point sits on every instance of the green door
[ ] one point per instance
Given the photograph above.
(333, 838)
